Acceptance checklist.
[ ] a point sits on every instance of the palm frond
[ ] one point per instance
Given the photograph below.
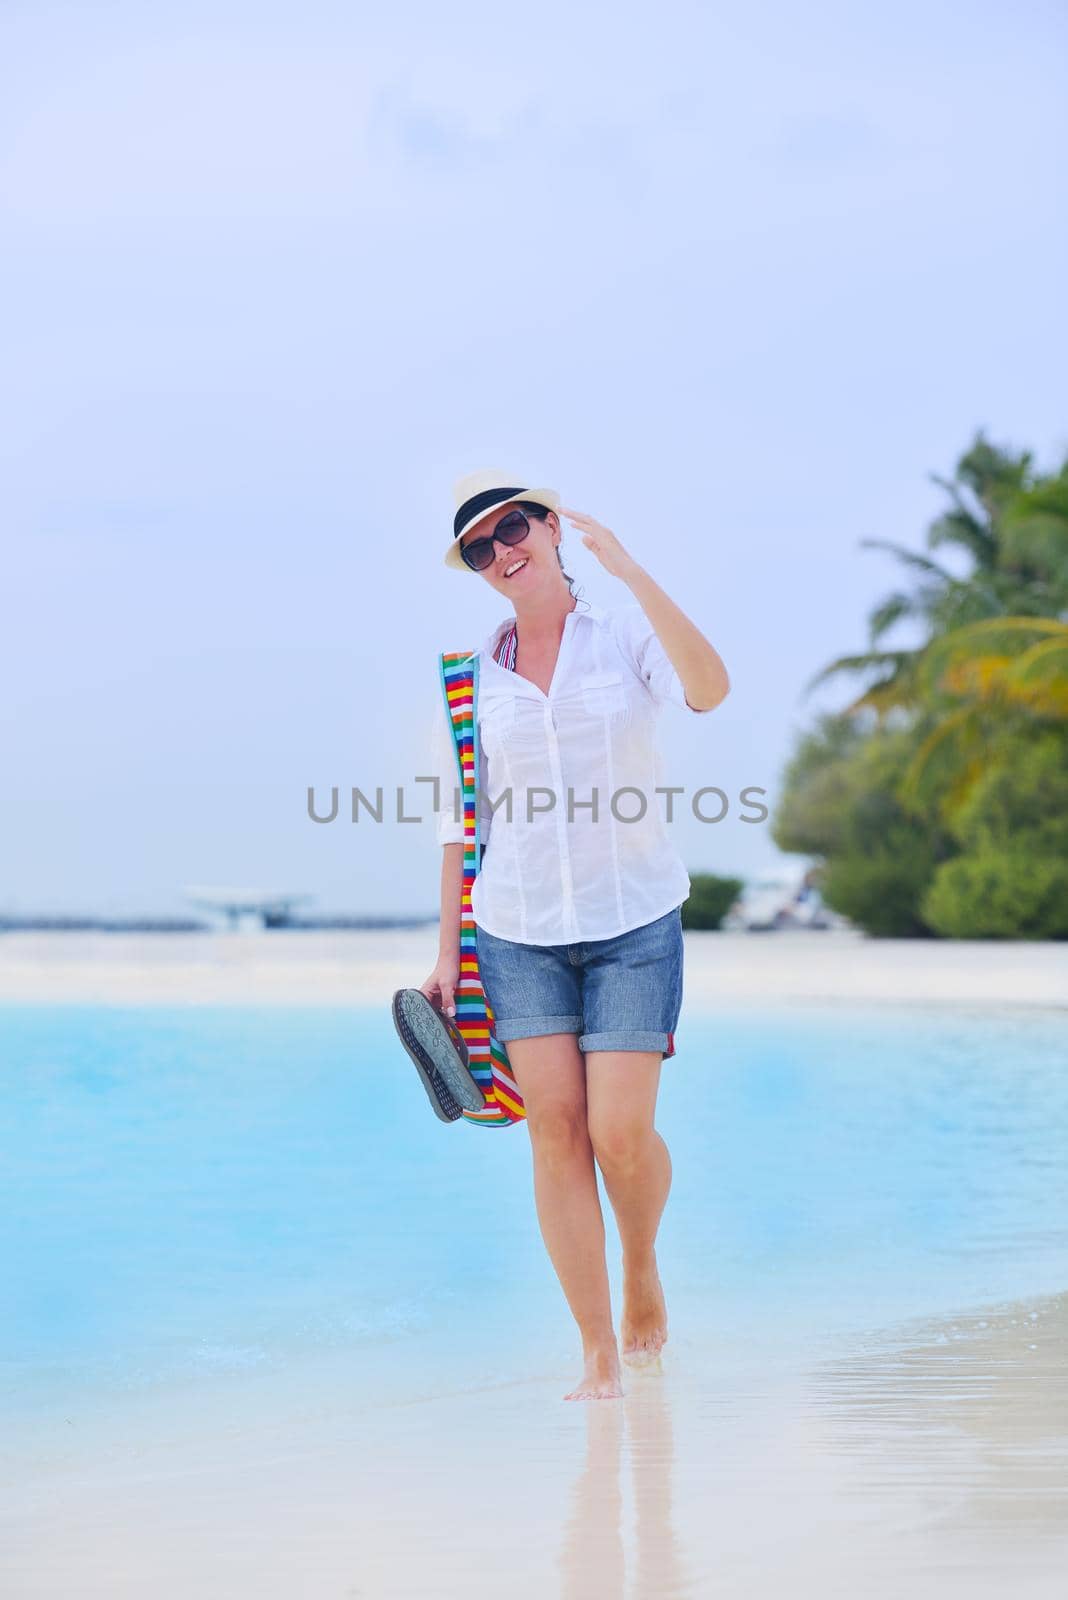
(909, 558)
(991, 632)
(993, 473)
(1036, 541)
(960, 528)
(889, 694)
(1039, 678)
(894, 609)
(946, 764)
(888, 661)
(1001, 661)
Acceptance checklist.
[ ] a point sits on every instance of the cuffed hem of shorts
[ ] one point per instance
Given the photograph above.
(629, 1040)
(533, 1027)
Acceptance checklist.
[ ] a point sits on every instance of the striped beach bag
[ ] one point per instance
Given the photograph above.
(488, 1059)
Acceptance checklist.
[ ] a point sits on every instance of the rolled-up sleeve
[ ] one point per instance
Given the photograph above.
(651, 661)
(446, 768)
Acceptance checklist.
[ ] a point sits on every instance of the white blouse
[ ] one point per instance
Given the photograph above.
(558, 871)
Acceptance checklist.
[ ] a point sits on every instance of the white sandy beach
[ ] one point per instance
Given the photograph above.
(363, 968)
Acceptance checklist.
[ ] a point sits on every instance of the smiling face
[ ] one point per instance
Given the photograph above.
(521, 569)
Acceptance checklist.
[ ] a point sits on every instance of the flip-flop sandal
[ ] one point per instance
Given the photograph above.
(439, 1051)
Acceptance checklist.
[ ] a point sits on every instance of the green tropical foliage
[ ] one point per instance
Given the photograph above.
(934, 800)
(709, 900)
(840, 803)
(1011, 878)
(1001, 894)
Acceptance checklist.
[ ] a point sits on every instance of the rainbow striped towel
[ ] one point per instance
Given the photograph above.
(488, 1058)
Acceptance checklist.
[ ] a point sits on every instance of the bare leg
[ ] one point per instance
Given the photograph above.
(551, 1075)
(621, 1090)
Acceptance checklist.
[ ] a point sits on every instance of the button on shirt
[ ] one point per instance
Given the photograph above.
(565, 863)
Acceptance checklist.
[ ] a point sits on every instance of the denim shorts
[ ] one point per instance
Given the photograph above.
(623, 993)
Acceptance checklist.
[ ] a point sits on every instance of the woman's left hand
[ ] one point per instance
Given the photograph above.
(604, 544)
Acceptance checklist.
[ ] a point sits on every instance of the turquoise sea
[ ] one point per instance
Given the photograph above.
(192, 1194)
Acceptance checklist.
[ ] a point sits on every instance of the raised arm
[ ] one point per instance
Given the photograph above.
(697, 662)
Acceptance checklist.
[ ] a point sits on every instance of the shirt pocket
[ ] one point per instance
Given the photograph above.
(604, 695)
(496, 723)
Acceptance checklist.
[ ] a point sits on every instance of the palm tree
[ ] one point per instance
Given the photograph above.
(1012, 527)
(987, 678)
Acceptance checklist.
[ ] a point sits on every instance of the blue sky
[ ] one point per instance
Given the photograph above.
(736, 281)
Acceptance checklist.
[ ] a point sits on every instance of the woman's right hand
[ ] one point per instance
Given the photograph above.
(440, 987)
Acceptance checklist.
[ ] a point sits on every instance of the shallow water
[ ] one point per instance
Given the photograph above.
(202, 1190)
(258, 1297)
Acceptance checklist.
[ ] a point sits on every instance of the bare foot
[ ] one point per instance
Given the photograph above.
(643, 1330)
(601, 1379)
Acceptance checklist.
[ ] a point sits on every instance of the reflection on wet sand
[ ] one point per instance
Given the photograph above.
(932, 1459)
(658, 1567)
(592, 1560)
(593, 1532)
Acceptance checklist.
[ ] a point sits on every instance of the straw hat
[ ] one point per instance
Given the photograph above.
(478, 493)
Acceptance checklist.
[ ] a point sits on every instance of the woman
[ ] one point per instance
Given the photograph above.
(577, 899)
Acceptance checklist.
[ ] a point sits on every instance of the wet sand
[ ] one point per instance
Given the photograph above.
(363, 968)
(930, 1460)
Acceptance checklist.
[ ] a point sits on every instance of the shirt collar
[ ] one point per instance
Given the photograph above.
(585, 608)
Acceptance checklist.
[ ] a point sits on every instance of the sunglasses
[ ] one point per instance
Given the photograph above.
(512, 529)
